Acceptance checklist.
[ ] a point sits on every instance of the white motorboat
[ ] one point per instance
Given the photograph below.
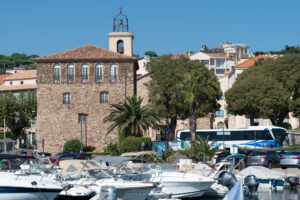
(18, 186)
(87, 177)
(174, 183)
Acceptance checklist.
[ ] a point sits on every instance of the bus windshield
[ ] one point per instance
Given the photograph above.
(279, 135)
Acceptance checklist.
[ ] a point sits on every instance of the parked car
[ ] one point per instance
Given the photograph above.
(290, 159)
(220, 156)
(282, 151)
(263, 158)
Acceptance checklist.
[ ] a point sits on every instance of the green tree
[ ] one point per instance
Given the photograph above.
(202, 92)
(72, 145)
(131, 118)
(286, 70)
(151, 54)
(257, 94)
(137, 56)
(201, 149)
(18, 111)
(164, 91)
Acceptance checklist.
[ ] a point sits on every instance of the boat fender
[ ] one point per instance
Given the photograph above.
(34, 183)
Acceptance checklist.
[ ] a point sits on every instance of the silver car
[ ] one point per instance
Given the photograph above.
(263, 158)
(290, 159)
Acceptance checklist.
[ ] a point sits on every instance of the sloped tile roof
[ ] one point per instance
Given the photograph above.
(251, 61)
(217, 55)
(87, 52)
(2, 77)
(18, 87)
(27, 74)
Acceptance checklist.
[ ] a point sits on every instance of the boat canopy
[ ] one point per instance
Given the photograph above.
(116, 160)
(140, 153)
(69, 167)
(240, 156)
(262, 173)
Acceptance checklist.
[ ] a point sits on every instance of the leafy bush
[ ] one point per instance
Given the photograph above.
(147, 143)
(121, 136)
(72, 146)
(9, 134)
(286, 125)
(130, 144)
(89, 148)
(168, 153)
(111, 149)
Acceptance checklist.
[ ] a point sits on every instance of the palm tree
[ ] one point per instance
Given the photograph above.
(202, 92)
(130, 118)
(202, 149)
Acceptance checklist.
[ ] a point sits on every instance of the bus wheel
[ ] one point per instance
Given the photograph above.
(269, 165)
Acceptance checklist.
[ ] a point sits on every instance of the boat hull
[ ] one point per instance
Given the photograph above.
(17, 193)
(185, 189)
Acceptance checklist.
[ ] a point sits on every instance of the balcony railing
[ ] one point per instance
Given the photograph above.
(56, 79)
(70, 79)
(113, 79)
(85, 78)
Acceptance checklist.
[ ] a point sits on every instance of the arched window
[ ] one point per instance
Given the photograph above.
(71, 73)
(66, 98)
(56, 73)
(103, 97)
(85, 73)
(99, 73)
(120, 46)
(113, 73)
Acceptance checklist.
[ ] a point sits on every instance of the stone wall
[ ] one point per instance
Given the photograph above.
(57, 122)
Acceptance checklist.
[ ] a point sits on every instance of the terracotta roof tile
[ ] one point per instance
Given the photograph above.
(87, 52)
(18, 87)
(2, 77)
(251, 61)
(27, 74)
(217, 55)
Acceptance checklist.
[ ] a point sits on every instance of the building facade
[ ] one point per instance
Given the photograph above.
(219, 63)
(20, 83)
(76, 88)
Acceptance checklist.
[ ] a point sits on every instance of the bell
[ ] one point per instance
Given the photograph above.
(120, 21)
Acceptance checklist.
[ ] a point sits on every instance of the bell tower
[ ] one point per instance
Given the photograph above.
(120, 40)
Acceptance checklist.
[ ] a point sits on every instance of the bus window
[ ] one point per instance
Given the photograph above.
(212, 135)
(185, 135)
(263, 135)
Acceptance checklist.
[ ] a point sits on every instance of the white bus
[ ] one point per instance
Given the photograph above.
(253, 137)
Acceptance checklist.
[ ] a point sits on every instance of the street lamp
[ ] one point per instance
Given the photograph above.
(81, 117)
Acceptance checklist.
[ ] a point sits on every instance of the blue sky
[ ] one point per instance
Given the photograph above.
(165, 26)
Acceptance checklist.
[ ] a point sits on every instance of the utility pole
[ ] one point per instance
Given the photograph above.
(4, 137)
(125, 84)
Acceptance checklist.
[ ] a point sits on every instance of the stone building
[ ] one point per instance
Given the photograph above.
(76, 88)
